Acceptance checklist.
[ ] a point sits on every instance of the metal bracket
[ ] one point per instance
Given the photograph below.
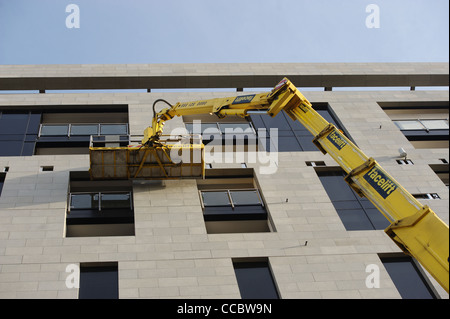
(410, 220)
(407, 222)
(358, 170)
(322, 133)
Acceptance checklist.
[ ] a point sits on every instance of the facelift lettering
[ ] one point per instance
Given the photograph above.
(337, 140)
(380, 182)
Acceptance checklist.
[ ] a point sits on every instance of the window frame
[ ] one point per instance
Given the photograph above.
(69, 129)
(421, 276)
(352, 206)
(292, 136)
(91, 290)
(230, 198)
(2, 181)
(423, 125)
(99, 208)
(218, 126)
(247, 292)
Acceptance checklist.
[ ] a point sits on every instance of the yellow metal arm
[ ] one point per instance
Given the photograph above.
(416, 229)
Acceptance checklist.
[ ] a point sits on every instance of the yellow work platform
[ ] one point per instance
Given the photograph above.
(172, 161)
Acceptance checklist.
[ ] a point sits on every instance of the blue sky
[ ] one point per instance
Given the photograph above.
(223, 31)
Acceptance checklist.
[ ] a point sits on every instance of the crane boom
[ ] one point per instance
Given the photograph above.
(414, 227)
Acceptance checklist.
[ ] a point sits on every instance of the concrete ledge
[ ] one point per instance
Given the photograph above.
(169, 76)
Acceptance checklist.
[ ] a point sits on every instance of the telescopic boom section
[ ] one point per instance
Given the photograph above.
(221, 107)
(415, 228)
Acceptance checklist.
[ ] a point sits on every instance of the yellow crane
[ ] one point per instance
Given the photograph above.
(414, 227)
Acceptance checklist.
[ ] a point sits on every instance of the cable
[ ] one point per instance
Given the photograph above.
(160, 100)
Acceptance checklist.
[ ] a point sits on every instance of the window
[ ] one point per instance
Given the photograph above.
(18, 133)
(422, 125)
(227, 211)
(405, 162)
(2, 181)
(245, 204)
(50, 132)
(425, 126)
(426, 196)
(356, 213)
(100, 201)
(315, 163)
(54, 130)
(221, 131)
(292, 136)
(99, 281)
(232, 204)
(441, 170)
(255, 279)
(72, 131)
(113, 129)
(99, 208)
(83, 130)
(407, 277)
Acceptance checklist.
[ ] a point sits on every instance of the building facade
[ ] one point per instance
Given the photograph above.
(283, 225)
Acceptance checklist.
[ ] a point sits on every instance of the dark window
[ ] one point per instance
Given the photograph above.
(245, 197)
(84, 201)
(255, 280)
(405, 162)
(222, 132)
(235, 128)
(233, 205)
(115, 201)
(291, 135)
(84, 129)
(70, 131)
(216, 198)
(113, 129)
(441, 171)
(54, 130)
(58, 139)
(99, 281)
(63, 132)
(18, 133)
(408, 279)
(202, 128)
(426, 196)
(98, 208)
(356, 213)
(2, 181)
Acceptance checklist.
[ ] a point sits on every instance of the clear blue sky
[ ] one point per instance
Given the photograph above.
(229, 31)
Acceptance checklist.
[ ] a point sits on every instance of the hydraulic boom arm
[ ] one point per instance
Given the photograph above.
(415, 228)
